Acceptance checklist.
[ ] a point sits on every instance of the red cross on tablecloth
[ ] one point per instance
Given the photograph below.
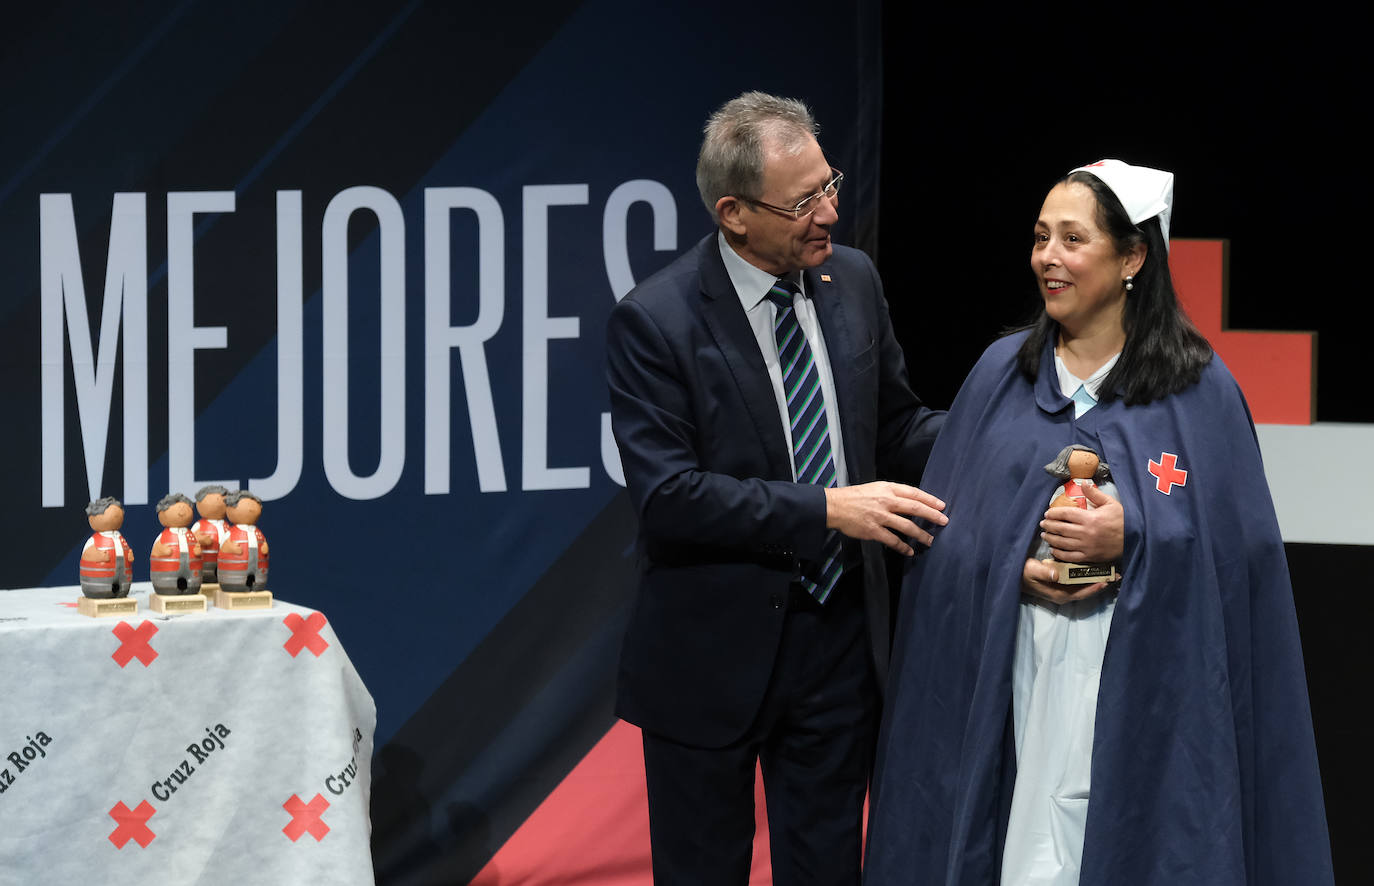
(1168, 473)
(305, 633)
(133, 643)
(305, 818)
(133, 824)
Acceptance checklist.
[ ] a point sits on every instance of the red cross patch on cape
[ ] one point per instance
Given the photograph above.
(1167, 473)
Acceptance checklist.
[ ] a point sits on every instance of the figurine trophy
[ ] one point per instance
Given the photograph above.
(242, 566)
(175, 564)
(106, 564)
(1075, 467)
(210, 530)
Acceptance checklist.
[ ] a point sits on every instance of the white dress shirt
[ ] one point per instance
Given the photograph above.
(752, 285)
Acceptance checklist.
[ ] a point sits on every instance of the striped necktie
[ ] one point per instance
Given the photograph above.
(811, 452)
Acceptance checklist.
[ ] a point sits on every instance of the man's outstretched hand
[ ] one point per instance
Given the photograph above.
(883, 511)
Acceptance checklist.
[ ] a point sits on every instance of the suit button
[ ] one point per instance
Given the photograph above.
(776, 600)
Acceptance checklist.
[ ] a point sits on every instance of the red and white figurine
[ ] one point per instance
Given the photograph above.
(175, 565)
(243, 555)
(106, 561)
(1077, 466)
(211, 529)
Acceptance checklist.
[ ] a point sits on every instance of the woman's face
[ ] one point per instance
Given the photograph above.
(1080, 273)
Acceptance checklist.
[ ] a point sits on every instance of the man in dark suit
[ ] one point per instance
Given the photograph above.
(753, 421)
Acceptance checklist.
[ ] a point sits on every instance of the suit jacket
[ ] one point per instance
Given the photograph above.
(722, 524)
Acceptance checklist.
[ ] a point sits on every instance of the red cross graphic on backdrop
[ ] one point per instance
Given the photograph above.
(305, 818)
(305, 633)
(1169, 475)
(133, 824)
(133, 643)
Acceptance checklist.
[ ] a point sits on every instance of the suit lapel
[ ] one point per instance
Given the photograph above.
(730, 328)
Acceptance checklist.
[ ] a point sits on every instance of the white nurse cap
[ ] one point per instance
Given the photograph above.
(1144, 192)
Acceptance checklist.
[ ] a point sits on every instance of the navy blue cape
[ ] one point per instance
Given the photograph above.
(1204, 766)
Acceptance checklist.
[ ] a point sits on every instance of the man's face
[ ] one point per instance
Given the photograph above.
(776, 241)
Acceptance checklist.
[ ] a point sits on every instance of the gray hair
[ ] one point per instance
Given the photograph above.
(170, 499)
(731, 157)
(101, 505)
(211, 489)
(234, 498)
(1059, 468)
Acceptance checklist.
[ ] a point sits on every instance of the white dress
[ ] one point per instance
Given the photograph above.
(1055, 676)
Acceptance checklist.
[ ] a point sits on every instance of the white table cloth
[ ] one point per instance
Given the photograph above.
(203, 748)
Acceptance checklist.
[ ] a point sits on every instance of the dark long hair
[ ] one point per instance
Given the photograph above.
(1164, 353)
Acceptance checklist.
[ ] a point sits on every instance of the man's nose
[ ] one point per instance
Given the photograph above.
(826, 213)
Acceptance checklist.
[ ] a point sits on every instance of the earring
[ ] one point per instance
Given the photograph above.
(1129, 284)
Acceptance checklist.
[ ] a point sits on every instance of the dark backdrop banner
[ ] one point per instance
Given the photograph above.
(358, 258)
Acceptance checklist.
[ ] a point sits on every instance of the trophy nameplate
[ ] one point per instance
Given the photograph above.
(107, 607)
(240, 601)
(172, 604)
(1084, 573)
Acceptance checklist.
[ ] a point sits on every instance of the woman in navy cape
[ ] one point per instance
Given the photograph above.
(1155, 730)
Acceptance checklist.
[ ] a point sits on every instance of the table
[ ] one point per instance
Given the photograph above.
(207, 748)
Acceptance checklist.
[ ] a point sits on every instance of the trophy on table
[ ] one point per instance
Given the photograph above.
(106, 564)
(210, 530)
(242, 566)
(175, 565)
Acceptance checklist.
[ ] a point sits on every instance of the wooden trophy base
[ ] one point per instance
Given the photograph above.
(177, 603)
(208, 589)
(241, 600)
(107, 607)
(1084, 573)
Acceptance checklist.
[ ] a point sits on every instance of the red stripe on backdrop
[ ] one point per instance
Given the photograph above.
(1276, 370)
(593, 829)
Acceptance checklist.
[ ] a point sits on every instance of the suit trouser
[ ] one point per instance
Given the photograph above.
(814, 736)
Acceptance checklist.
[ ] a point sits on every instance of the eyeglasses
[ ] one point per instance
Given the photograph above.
(810, 204)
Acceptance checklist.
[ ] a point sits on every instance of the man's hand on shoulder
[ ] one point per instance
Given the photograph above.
(882, 511)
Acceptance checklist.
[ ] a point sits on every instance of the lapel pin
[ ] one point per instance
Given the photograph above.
(825, 278)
